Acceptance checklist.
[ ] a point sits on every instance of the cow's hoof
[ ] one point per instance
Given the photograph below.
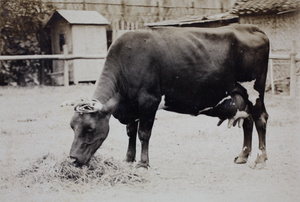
(261, 159)
(129, 160)
(240, 160)
(142, 165)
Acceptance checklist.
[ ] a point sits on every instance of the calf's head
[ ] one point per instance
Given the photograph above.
(90, 124)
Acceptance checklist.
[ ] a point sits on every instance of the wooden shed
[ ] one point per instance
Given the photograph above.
(84, 32)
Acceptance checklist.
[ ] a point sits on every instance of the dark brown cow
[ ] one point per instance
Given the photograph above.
(185, 70)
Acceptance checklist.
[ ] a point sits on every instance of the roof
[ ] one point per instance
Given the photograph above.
(250, 7)
(76, 17)
(187, 20)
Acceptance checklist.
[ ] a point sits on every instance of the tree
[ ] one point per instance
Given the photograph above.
(22, 33)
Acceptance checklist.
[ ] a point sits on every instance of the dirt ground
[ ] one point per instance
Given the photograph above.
(191, 158)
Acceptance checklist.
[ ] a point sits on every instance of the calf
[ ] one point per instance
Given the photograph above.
(234, 107)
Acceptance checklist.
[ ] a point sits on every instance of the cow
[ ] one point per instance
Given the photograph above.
(185, 70)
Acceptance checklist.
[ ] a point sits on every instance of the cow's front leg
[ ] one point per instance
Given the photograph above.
(147, 115)
(132, 133)
(144, 137)
(247, 145)
(144, 133)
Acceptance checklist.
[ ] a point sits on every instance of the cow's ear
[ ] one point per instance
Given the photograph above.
(110, 106)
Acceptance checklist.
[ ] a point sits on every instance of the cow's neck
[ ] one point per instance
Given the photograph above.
(105, 89)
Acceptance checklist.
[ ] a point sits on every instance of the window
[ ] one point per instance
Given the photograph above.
(62, 41)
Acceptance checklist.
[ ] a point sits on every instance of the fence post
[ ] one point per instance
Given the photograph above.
(272, 77)
(293, 81)
(41, 71)
(193, 7)
(159, 10)
(136, 24)
(66, 66)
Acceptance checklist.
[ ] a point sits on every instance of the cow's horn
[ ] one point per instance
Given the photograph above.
(88, 106)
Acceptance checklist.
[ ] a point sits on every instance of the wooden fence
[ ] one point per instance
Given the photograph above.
(291, 57)
(64, 57)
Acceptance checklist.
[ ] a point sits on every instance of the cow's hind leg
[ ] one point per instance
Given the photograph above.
(260, 118)
(132, 133)
(247, 145)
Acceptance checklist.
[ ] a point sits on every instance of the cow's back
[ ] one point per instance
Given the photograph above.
(187, 64)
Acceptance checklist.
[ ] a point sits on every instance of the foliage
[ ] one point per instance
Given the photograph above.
(22, 33)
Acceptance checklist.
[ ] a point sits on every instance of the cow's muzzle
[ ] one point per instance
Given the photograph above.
(75, 162)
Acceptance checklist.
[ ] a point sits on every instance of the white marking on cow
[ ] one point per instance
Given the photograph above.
(260, 153)
(162, 104)
(98, 106)
(245, 148)
(223, 100)
(206, 109)
(252, 93)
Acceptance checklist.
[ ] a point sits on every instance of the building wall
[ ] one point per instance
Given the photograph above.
(281, 29)
(80, 39)
(88, 39)
(59, 28)
(143, 11)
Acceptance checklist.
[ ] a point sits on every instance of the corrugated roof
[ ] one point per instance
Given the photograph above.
(82, 17)
(248, 7)
(194, 20)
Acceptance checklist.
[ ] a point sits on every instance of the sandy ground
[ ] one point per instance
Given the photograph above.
(191, 158)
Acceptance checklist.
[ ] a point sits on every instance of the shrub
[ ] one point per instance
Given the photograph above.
(22, 33)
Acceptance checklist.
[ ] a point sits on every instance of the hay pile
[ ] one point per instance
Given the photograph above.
(62, 173)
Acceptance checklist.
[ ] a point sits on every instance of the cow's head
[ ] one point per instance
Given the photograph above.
(90, 124)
